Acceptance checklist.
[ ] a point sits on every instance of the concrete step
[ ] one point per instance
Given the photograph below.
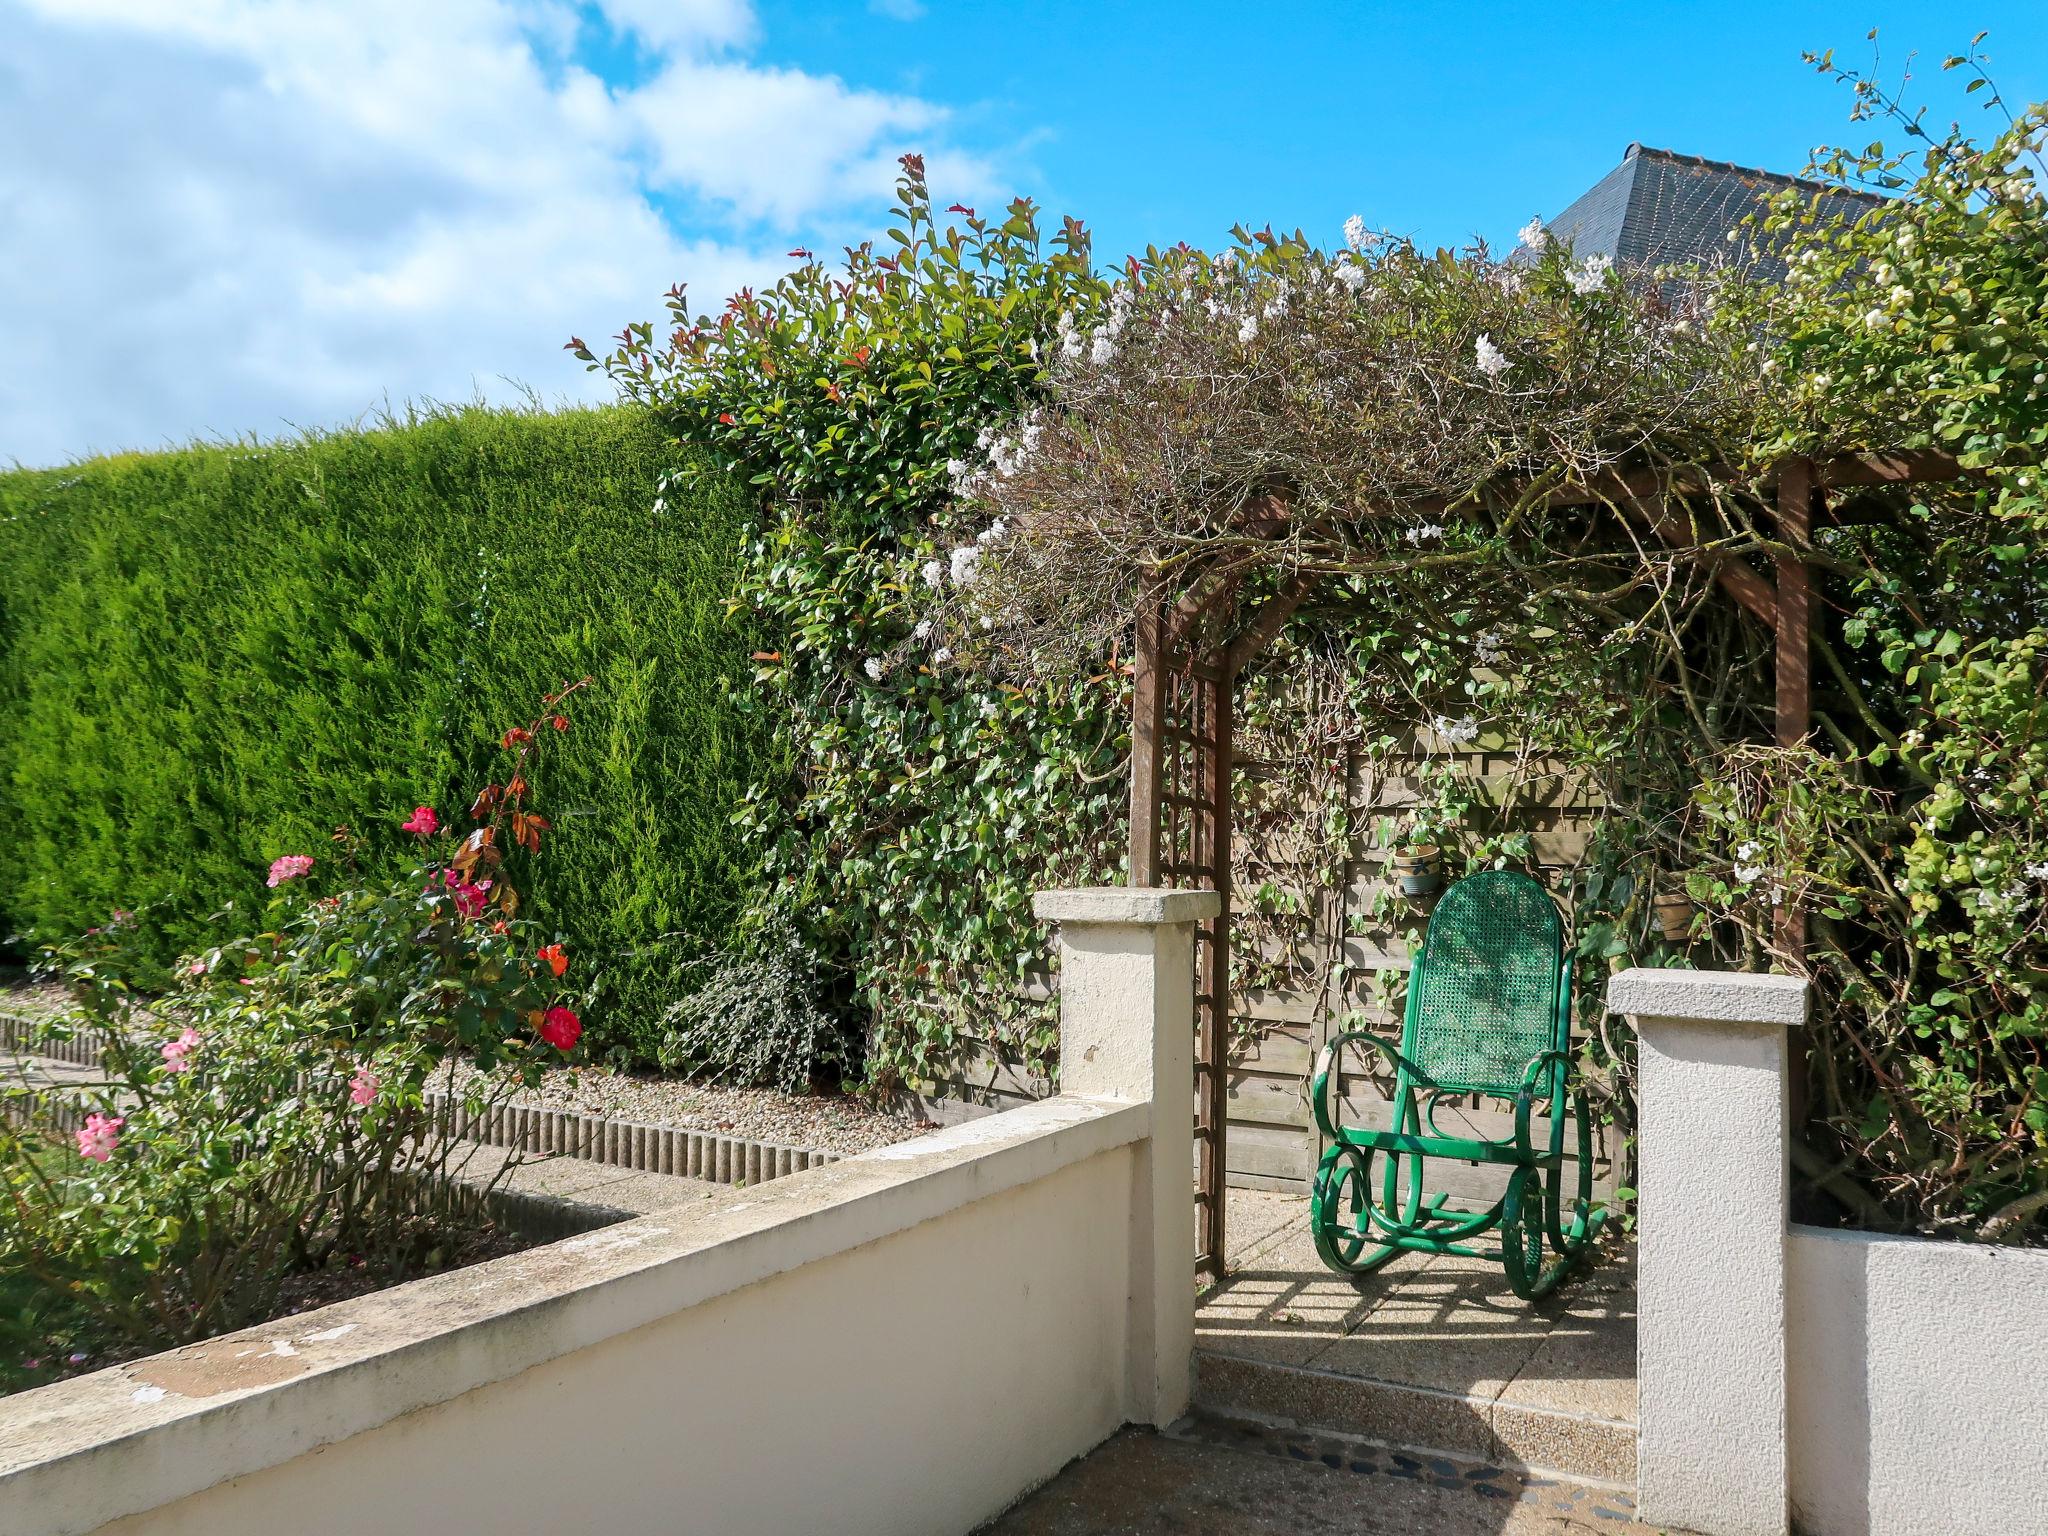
(1415, 1418)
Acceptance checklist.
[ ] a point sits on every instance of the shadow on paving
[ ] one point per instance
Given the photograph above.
(1212, 1477)
(1431, 1350)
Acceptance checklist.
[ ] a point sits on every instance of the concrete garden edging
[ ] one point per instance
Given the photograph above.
(675, 1150)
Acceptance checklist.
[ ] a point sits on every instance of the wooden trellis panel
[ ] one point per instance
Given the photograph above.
(1180, 836)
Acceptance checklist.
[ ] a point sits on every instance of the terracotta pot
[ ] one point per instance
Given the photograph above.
(1420, 869)
(1673, 910)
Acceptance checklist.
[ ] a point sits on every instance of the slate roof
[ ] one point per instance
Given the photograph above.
(1659, 206)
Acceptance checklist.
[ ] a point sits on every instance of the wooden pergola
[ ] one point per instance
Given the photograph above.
(1189, 654)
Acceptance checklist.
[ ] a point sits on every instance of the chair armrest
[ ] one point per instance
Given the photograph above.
(1525, 1100)
(1327, 1061)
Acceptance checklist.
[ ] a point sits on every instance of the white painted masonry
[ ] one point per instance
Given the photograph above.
(1127, 986)
(1835, 1383)
(1919, 1375)
(766, 1360)
(1710, 1342)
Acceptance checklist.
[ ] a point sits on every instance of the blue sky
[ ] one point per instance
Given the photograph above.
(1167, 122)
(230, 217)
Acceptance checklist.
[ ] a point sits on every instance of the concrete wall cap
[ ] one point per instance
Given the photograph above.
(1143, 906)
(1715, 997)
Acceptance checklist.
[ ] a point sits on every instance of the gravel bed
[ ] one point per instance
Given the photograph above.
(830, 1122)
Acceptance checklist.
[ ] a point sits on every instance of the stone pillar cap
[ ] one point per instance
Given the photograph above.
(1711, 997)
(1136, 905)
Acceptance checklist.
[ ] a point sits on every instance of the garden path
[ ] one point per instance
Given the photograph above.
(1212, 1477)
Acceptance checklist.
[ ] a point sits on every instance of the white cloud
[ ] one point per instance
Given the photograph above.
(227, 215)
(775, 143)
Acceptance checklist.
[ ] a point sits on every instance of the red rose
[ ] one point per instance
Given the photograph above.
(561, 1028)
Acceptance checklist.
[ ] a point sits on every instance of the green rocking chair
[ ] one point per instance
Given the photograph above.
(1489, 1013)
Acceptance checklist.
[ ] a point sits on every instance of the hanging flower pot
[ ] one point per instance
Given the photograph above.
(1420, 869)
(1674, 911)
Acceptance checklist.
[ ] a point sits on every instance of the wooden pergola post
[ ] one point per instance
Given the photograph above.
(1794, 703)
(1148, 720)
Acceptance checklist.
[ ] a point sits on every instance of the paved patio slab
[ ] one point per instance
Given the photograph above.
(1432, 1350)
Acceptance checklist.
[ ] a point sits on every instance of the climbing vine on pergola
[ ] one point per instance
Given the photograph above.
(1191, 651)
(1540, 459)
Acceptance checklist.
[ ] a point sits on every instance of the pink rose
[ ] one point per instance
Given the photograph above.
(99, 1136)
(176, 1051)
(424, 822)
(290, 867)
(362, 1088)
(469, 899)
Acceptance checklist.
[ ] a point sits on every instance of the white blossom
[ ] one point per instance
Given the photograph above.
(1248, 328)
(1874, 318)
(923, 630)
(1357, 236)
(1533, 236)
(966, 564)
(660, 505)
(1456, 732)
(1422, 531)
(1103, 350)
(1589, 275)
(1351, 275)
(873, 667)
(1487, 649)
(1747, 869)
(1492, 361)
(943, 655)
(2038, 871)
(934, 573)
(988, 709)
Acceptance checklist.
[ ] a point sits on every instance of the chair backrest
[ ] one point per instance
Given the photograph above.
(1485, 996)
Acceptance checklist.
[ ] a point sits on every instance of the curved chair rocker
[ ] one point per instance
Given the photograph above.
(1489, 1012)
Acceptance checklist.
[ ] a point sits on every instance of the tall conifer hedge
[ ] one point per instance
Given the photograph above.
(219, 654)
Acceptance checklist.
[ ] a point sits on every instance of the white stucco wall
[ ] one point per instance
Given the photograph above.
(917, 1384)
(1710, 1341)
(1918, 1375)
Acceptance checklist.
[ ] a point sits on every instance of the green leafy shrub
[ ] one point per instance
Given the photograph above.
(923, 804)
(232, 647)
(266, 1113)
(756, 1017)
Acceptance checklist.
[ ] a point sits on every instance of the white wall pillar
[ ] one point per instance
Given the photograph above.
(1711, 1127)
(1127, 1031)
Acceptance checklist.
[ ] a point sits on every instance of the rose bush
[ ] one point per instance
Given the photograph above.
(267, 1114)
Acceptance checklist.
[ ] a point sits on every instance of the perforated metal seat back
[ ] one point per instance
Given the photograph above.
(1486, 986)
